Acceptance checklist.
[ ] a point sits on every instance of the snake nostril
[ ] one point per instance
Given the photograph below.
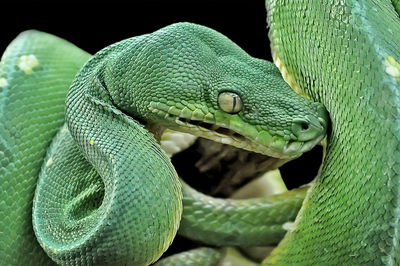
(307, 128)
(304, 125)
(300, 124)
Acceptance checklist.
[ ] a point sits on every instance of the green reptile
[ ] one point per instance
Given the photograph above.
(345, 54)
(341, 53)
(106, 192)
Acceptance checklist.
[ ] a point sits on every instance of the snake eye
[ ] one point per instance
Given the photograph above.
(230, 102)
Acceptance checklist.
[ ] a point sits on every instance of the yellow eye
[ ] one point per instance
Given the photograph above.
(230, 102)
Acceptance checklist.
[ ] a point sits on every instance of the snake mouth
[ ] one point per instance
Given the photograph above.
(278, 147)
(225, 134)
(232, 130)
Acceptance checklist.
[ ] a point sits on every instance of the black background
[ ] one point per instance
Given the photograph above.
(93, 25)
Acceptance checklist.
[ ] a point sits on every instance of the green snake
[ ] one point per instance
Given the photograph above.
(342, 54)
(345, 55)
(106, 192)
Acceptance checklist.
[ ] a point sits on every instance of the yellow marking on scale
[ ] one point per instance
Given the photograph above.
(287, 76)
(91, 142)
(27, 62)
(392, 67)
(64, 128)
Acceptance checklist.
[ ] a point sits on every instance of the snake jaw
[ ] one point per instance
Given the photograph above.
(232, 130)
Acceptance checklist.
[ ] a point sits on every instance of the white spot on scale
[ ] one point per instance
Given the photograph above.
(27, 62)
(49, 162)
(392, 67)
(288, 226)
(3, 82)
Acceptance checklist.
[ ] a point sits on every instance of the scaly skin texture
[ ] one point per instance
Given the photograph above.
(252, 222)
(31, 112)
(107, 193)
(199, 256)
(345, 55)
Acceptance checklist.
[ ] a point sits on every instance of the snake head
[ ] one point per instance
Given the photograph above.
(193, 79)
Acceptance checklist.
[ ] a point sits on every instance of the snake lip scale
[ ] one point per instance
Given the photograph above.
(253, 138)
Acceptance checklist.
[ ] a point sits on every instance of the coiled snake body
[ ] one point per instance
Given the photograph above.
(345, 54)
(108, 194)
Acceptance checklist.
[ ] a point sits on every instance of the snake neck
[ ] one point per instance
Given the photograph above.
(344, 54)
